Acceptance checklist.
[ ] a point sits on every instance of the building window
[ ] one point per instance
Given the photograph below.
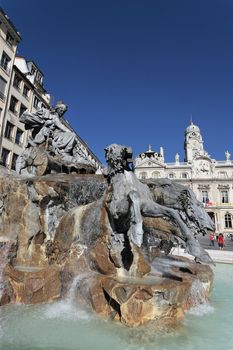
(33, 70)
(171, 176)
(184, 175)
(14, 159)
(17, 81)
(39, 78)
(9, 39)
(5, 62)
(143, 175)
(19, 137)
(224, 196)
(228, 221)
(155, 175)
(9, 130)
(13, 104)
(26, 91)
(5, 156)
(2, 88)
(36, 102)
(22, 109)
(205, 197)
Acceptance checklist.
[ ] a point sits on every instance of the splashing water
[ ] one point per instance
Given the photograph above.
(197, 293)
(59, 327)
(68, 308)
(201, 310)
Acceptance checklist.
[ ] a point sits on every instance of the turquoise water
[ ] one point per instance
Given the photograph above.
(64, 326)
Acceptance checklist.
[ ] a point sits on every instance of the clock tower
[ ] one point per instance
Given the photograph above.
(193, 144)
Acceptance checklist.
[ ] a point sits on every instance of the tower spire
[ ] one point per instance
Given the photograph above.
(191, 119)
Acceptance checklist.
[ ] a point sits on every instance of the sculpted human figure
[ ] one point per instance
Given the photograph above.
(129, 201)
(47, 123)
(228, 155)
(51, 141)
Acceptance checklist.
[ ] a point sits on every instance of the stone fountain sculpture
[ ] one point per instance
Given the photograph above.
(129, 201)
(53, 147)
(113, 233)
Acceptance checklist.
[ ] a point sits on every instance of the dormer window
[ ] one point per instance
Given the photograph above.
(9, 39)
(39, 78)
(33, 70)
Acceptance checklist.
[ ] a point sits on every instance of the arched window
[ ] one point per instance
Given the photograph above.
(171, 176)
(228, 220)
(155, 175)
(143, 175)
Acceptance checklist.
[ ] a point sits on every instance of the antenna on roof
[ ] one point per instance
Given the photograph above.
(191, 119)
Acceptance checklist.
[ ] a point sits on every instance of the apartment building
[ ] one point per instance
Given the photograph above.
(9, 39)
(26, 92)
(21, 88)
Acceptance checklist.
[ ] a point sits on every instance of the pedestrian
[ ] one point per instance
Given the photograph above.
(211, 237)
(220, 241)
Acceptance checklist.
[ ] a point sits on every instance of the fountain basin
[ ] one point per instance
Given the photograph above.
(64, 325)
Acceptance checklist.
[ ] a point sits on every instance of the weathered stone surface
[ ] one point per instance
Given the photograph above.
(7, 252)
(31, 287)
(32, 209)
(136, 301)
(100, 260)
(57, 229)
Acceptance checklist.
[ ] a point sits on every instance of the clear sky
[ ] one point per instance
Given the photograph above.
(133, 71)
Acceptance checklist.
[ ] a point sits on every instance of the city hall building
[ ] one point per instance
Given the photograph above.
(211, 180)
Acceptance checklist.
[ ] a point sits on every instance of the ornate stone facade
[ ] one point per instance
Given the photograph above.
(211, 180)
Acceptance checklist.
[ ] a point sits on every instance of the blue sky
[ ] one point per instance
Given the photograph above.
(133, 71)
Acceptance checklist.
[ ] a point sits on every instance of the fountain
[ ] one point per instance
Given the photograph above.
(105, 240)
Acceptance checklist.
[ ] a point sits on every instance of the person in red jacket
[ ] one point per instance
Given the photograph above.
(220, 241)
(211, 237)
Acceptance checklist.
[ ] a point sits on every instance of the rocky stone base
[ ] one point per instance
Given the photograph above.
(153, 298)
(55, 230)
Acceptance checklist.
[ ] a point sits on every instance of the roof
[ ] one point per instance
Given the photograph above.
(192, 127)
(11, 24)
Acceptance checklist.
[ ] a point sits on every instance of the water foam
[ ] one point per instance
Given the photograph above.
(199, 301)
(64, 310)
(201, 310)
(68, 308)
